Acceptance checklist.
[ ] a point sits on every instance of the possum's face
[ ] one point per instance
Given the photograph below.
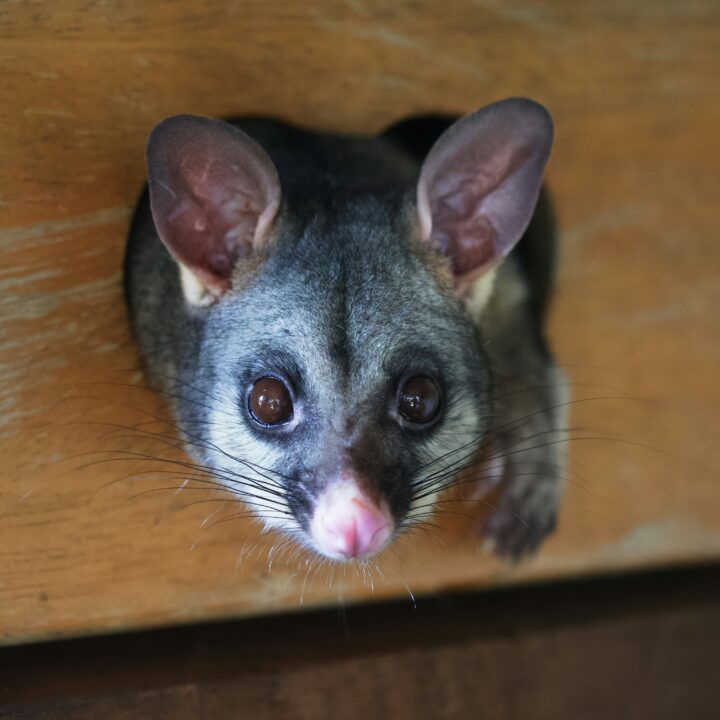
(343, 381)
(346, 379)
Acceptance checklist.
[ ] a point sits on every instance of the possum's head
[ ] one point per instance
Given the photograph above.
(342, 377)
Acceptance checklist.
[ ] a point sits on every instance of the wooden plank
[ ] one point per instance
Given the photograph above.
(522, 653)
(635, 176)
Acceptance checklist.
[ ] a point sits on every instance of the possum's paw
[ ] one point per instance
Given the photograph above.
(526, 515)
(534, 472)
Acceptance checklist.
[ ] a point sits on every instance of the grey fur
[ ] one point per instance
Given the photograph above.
(345, 305)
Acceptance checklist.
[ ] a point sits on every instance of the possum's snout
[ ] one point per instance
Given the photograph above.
(348, 524)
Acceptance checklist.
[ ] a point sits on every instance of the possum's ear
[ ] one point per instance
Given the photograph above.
(480, 182)
(214, 195)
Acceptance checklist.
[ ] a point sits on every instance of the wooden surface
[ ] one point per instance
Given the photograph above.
(512, 654)
(635, 175)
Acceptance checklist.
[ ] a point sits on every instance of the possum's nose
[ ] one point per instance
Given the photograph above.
(348, 524)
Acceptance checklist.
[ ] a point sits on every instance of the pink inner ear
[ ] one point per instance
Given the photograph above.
(479, 184)
(214, 195)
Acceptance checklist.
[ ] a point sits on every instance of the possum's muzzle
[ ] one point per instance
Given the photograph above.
(348, 524)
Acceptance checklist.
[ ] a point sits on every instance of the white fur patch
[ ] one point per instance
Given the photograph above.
(241, 454)
(448, 451)
(480, 292)
(195, 292)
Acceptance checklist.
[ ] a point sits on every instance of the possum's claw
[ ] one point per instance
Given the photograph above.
(519, 525)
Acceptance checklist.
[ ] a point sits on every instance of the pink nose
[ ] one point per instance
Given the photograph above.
(348, 524)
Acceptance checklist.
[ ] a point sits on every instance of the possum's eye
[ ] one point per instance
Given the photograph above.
(269, 401)
(419, 399)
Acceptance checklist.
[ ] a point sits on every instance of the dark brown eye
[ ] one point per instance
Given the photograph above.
(419, 399)
(269, 401)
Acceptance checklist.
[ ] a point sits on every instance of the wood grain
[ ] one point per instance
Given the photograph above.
(635, 177)
(515, 653)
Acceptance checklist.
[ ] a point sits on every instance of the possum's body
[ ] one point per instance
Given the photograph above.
(341, 302)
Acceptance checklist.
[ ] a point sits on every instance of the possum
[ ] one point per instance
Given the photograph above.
(348, 325)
